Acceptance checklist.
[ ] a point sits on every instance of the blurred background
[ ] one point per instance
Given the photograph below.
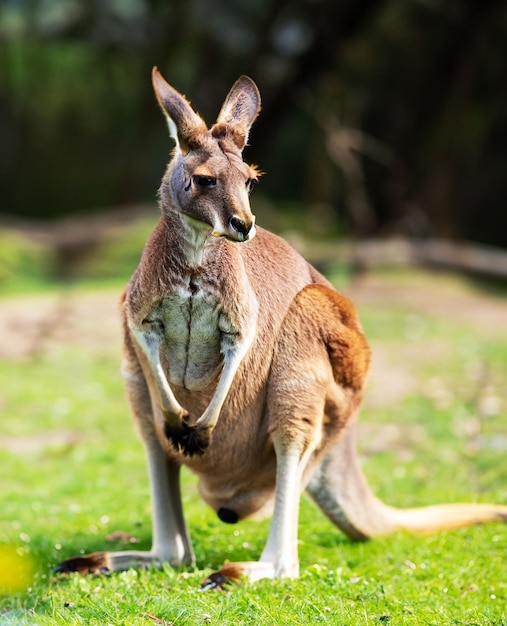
(381, 119)
(383, 137)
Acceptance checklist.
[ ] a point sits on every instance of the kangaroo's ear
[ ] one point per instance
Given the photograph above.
(240, 109)
(182, 120)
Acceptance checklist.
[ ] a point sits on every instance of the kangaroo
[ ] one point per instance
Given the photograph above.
(243, 363)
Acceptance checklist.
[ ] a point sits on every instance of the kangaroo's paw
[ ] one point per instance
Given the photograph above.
(95, 563)
(187, 439)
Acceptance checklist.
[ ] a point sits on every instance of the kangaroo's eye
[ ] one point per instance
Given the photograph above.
(205, 181)
(250, 184)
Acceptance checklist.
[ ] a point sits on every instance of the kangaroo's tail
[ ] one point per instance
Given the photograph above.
(340, 489)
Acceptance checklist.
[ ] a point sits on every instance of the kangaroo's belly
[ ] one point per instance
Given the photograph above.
(245, 487)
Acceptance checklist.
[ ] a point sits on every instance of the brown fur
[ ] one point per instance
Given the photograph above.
(243, 363)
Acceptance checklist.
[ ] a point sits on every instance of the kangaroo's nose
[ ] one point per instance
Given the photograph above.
(243, 229)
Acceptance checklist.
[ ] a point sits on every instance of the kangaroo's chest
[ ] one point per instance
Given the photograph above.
(192, 323)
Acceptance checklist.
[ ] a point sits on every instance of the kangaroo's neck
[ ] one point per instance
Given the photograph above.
(193, 238)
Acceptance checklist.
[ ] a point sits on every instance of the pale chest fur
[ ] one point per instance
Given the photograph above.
(192, 329)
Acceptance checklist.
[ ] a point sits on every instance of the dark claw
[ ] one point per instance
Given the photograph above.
(96, 563)
(229, 573)
(217, 580)
(188, 440)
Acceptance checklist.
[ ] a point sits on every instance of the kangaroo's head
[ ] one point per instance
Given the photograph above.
(207, 180)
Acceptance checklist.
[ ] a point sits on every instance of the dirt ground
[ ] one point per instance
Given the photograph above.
(30, 324)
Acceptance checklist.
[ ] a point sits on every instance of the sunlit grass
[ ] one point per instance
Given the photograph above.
(72, 471)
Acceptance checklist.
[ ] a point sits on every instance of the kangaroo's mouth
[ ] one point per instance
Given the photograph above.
(237, 232)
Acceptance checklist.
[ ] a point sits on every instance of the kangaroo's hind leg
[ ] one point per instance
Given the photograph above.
(314, 386)
(339, 486)
(170, 539)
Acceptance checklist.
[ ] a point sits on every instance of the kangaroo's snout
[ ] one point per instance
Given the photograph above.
(243, 230)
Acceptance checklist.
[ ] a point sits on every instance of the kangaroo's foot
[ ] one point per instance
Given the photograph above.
(95, 563)
(247, 570)
(103, 563)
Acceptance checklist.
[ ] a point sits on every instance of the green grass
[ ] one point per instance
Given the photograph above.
(63, 493)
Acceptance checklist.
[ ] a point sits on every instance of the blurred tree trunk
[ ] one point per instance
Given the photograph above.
(332, 23)
(429, 143)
